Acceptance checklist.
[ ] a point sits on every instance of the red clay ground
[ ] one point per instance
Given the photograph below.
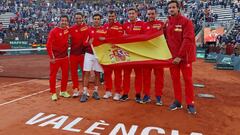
(218, 116)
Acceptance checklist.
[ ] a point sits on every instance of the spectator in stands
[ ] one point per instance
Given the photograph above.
(237, 49)
(224, 38)
(238, 38)
(2, 32)
(238, 18)
(230, 48)
(233, 11)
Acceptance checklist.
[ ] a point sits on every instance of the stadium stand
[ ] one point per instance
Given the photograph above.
(29, 21)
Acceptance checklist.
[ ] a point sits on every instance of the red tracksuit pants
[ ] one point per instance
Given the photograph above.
(138, 80)
(54, 67)
(117, 79)
(186, 70)
(75, 61)
(159, 80)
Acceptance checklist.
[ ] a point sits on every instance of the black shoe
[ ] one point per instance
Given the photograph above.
(175, 105)
(191, 109)
(124, 98)
(95, 95)
(84, 98)
(138, 98)
(146, 99)
(159, 100)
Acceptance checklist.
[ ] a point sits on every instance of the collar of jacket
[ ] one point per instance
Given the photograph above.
(113, 23)
(175, 17)
(80, 25)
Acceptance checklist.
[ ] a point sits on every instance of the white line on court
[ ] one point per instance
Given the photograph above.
(15, 100)
(17, 83)
(21, 98)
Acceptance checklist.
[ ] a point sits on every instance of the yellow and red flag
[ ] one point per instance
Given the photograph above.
(134, 50)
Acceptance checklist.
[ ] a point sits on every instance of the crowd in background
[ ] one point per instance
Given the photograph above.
(226, 44)
(35, 18)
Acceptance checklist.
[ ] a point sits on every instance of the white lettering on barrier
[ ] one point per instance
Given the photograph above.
(70, 126)
(121, 126)
(96, 125)
(57, 122)
(147, 130)
(37, 119)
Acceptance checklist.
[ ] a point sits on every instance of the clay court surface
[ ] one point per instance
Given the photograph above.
(22, 99)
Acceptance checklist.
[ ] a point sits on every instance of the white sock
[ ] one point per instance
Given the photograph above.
(96, 88)
(85, 89)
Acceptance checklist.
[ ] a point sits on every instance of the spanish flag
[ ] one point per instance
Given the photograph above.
(145, 49)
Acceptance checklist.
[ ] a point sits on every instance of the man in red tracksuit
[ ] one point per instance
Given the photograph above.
(153, 25)
(114, 30)
(180, 37)
(78, 36)
(57, 48)
(96, 34)
(133, 27)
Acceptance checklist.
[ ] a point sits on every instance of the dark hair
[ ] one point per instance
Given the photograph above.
(97, 14)
(132, 8)
(79, 13)
(152, 8)
(112, 12)
(173, 1)
(64, 16)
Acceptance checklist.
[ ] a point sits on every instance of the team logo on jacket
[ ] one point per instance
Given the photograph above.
(76, 30)
(137, 28)
(118, 54)
(60, 34)
(84, 28)
(157, 26)
(178, 28)
(101, 31)
(65, 32)
(115, 28)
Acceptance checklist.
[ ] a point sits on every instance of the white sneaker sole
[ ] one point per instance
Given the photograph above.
(116, 99)
(106, 97)
(146, 102)
(192, 113)
(76, 95)
(159, 104)
(177, 108)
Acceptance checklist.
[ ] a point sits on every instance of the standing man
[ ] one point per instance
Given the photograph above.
(133, 27)
(153, 25)
(57, 48)
(96, 34)
(114, 30)
(78, 36)
(180, 37)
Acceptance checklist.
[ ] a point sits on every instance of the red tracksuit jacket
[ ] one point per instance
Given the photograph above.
(78, 35)
(180, 36)
(95, 33)
(113, 30)
(138, 27)
(154, 26)
(57, 44)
